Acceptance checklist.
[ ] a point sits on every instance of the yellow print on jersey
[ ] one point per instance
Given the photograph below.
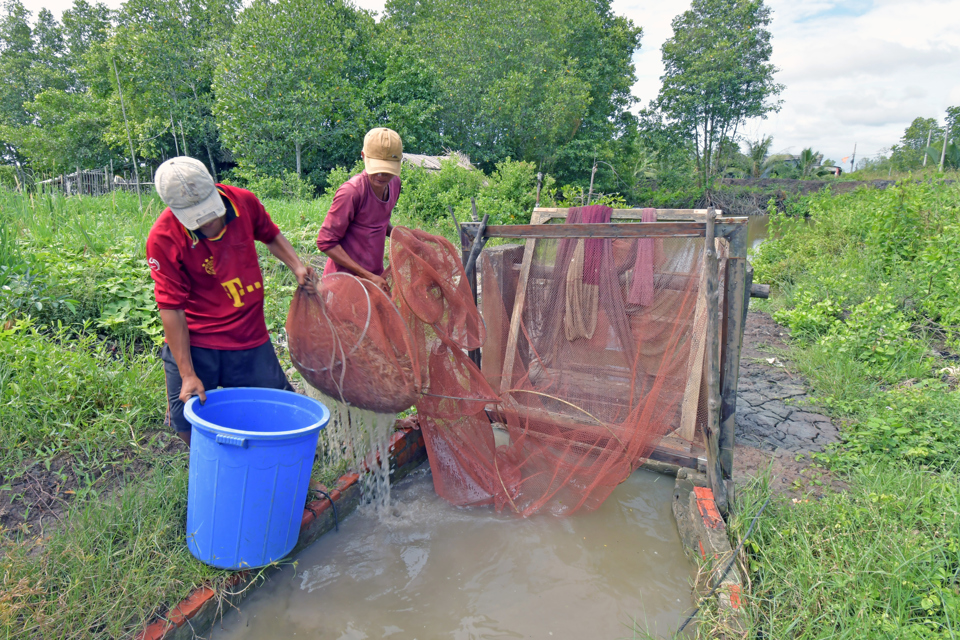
(236, 290)
(208, 266)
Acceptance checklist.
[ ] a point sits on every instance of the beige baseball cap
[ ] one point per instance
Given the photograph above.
(186, 186)
(382, 151)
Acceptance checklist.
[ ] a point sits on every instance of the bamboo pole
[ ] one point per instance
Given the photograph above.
(133, 155)
(711, 434)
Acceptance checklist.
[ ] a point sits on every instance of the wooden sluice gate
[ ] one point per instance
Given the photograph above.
(701, 434)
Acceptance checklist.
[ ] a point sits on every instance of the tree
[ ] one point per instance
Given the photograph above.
(757, 152)
(953, 122)
(18, 84)
(913, 144)
(546, 81)
(808, 162)
(165, 52)
(290, 91)
(66, 120)
(718, 74)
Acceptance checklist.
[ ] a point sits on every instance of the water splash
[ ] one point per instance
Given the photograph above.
(362, 438)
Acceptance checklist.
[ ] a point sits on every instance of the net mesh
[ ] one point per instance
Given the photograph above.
(598, 365)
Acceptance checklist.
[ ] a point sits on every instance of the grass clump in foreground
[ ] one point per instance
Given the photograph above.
(109, 568)
(880, 560)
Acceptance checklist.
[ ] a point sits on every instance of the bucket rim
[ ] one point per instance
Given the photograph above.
(206, 425)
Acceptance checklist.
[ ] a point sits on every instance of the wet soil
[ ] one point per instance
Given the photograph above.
(778, 425)
(37, 498)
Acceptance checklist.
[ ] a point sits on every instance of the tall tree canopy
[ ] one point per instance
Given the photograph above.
(165, 52)
(290, 92)
(718, 74)
(909, 153)
(541, 80)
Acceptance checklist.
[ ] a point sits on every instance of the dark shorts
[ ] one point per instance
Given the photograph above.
(257, 367)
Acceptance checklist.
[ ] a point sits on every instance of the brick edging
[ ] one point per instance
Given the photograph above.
(196, 613)
(704, 536)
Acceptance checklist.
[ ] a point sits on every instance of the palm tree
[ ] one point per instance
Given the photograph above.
(757, 153)
(808, 161)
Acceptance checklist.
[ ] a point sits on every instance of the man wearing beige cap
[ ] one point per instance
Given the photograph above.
(358, 222)
(209, 287)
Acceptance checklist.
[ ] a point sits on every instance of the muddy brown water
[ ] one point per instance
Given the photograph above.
(428, 570)
(757, 230)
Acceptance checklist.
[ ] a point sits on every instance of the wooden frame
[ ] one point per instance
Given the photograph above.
(720, 352)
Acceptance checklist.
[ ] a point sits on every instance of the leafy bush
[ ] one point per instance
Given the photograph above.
(113, 290)
(288, 185)
(914, 423)
(877, 333)
(26, 293)
(810, 316)
(938, 271)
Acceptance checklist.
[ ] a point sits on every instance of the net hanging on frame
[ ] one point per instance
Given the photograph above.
(594, 375)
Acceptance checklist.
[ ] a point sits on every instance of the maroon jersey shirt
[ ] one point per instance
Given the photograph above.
(216, 281)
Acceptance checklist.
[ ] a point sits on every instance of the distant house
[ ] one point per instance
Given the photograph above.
(831, 170)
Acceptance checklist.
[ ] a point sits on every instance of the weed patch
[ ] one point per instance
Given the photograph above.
(881, 560)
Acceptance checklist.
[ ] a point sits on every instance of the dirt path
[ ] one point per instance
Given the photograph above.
(777, 424)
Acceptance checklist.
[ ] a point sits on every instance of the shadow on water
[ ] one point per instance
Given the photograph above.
(429, 570)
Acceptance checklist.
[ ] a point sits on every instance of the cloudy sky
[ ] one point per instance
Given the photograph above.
(856, 71)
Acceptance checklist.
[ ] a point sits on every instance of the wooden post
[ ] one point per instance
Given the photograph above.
(711, 363)
(943, 150)
(466, 243)
(735, 296)
(513, 335)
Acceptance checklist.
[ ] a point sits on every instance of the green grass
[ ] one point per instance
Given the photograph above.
(64, 393)
(110, 568)
(868, 287)
(879, 560)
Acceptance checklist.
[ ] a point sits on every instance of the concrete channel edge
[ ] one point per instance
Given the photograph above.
(199, 611)
(704, 537)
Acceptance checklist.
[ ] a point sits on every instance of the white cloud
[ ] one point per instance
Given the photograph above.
(857, 71)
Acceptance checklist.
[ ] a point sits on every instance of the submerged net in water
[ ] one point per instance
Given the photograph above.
(594, 374)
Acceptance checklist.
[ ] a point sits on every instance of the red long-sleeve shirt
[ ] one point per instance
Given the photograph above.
(359, 222)
(216, 281)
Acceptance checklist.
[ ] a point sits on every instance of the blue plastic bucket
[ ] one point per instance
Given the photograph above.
(251, 454)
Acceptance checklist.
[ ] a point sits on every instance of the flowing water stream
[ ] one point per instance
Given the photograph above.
(423, 569)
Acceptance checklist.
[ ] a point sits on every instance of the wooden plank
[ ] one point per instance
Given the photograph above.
(712, 368)
(496, 305)
(733, 325)
(513, 336)
(598, 230)
(691, 393)
(662, 452)
(548, 213)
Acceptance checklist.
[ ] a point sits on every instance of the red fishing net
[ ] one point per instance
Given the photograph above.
(589, 350)
(349, 341)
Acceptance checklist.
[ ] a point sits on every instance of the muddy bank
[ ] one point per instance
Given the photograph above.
(778, 426)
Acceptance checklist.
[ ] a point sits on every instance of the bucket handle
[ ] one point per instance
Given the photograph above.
(235, 441)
